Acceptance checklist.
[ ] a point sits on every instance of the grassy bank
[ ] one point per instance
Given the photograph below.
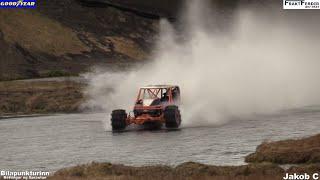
(188, 170)
(305, 150)
(184, 171)
(30, 97)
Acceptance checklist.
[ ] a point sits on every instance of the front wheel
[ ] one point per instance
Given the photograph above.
(118, 120)
(172, 117)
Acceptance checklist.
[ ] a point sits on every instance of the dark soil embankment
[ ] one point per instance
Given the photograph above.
(20, 97)
(305, 150)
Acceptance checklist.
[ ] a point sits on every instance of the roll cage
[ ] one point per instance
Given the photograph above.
(167, 94)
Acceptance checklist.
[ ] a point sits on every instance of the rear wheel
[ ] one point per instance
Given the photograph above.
(172, 117)
(118, 119)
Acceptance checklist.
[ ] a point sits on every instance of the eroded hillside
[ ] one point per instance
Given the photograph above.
(68, 37)
(61, 38)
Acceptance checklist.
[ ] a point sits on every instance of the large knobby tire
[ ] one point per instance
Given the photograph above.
(118, 119)
(172, 117)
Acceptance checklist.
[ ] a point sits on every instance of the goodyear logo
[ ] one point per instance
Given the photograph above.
(17, 3)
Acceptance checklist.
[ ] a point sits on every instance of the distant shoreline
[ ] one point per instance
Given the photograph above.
(17, 116)
(37, 97)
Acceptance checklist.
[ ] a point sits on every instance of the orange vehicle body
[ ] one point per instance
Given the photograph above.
(153, 113)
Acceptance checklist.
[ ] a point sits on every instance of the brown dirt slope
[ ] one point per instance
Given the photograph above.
(70, 37)
(306, 150)
(38, 33)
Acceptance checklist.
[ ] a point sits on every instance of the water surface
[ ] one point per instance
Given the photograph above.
(54, 142)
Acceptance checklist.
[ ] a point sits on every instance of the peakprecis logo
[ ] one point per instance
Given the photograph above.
(301, 4)
(17, 3)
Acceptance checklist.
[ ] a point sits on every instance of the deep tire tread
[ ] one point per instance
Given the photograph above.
(172, 117)
(118, 119)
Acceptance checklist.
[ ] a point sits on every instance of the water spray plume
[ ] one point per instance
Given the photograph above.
(262, 63)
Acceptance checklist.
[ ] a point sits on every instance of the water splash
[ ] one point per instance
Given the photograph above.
(266, 61)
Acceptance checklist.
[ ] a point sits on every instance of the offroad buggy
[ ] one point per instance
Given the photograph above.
(155, 105)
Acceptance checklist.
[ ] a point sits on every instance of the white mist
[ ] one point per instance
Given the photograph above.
(265, 62)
